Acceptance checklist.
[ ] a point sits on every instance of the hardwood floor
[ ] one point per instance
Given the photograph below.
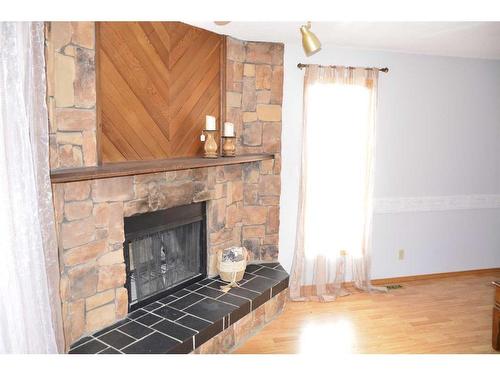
(447, 315)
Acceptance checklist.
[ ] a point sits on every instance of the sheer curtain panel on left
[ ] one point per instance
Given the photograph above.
(30, 311)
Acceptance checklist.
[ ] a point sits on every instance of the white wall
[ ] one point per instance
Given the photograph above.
(438, 135)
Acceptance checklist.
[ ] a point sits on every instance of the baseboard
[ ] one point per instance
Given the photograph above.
(402, 279)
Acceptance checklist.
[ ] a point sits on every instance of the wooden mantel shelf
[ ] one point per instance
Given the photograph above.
(131, 168)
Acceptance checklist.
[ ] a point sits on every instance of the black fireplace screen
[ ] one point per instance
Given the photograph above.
(164, 251)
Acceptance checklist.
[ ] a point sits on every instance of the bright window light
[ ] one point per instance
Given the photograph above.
(338, 133)
(332, 338)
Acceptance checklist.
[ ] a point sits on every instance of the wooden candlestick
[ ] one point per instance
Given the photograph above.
(228, 146)
(210, 147)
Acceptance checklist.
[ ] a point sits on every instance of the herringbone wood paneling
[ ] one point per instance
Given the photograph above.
(156, 83)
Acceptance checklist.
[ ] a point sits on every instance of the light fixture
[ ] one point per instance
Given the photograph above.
(310, 41)
(221, 23)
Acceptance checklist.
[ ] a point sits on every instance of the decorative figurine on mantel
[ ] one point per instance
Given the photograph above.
(208, 136)
(228, 140)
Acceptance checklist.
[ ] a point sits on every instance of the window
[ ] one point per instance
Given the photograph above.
(338, 159)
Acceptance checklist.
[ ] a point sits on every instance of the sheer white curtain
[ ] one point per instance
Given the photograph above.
(30, 311)
(336, 185)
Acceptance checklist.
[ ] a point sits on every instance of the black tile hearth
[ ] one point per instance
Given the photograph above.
(168, 312)
(210, 309)
(149, 319)
(205, 281)
(279, 268)
(81, 341)
(186, 301)
(116, 339)
(253, 267)
(137, 313)
(107, 329)
(245, 293)
(193, 287)
(167, 299)
(217, 284)
(259, 284)
(210, 292)
(261, 299)
(239, 313)
(181, 322)
(247, 276)
(283, 284)
(184, 348)
(193, 322)
(135, 330)
(155, 343)
(110, 351)
(271, 273)
(91, 347)
(233, 300)
(269, 265)
(174, 330)
(152, 306)
(209, 332)
(181, 293)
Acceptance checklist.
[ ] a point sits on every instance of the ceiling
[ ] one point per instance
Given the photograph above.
(461, 39)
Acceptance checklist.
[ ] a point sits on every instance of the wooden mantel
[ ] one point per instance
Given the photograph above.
(131, 168)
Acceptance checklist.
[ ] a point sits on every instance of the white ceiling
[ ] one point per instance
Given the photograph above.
(462, 39)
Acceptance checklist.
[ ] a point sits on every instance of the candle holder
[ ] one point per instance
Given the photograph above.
(210, 147)
(229, 146)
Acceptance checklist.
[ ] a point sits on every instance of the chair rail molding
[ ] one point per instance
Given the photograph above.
(436, 203)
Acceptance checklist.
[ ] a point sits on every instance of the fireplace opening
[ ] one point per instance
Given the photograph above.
(164, 251)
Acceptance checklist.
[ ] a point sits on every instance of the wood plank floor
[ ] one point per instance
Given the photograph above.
(449, 315)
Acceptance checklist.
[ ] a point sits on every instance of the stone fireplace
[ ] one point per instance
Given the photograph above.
(240, 201)
(90, 216)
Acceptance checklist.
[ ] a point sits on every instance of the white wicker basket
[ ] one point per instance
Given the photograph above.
(231, 271)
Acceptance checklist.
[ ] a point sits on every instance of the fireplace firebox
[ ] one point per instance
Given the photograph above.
(164, 251)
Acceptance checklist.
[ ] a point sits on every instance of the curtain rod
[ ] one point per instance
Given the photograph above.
(300, 66)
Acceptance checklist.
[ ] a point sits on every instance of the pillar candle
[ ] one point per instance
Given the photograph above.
(210, 123)
(228, 129)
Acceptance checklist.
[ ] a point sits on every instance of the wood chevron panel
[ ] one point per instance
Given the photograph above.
(156, 83)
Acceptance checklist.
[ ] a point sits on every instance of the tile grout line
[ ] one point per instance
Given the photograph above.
(86, 342)
(154, 330)
(182, 325)
(204, 297)
(137, 340)
(92, 337)
(107, 345)
(176, 321)
(185, 313)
